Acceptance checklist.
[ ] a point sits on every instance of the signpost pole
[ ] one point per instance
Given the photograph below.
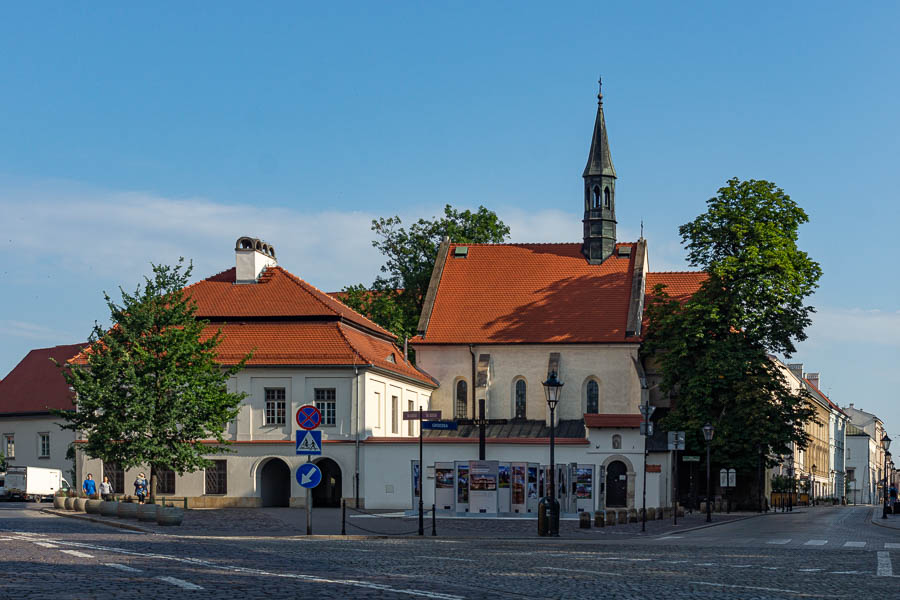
(675, 495)
(308, 509)
(421, 477)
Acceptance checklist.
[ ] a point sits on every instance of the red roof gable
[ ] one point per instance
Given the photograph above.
(278, 293)
(36, 385)
(514, 293)
(612, 420)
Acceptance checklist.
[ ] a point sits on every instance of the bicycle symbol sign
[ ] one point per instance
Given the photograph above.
(308, 417)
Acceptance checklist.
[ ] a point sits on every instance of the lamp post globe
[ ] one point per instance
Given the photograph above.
(708, 432)
(553, 390)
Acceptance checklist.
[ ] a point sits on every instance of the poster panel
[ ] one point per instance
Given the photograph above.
(444, 486)
(532, 500)
(518, 488)
(584, 488)
(504, 489)
(462, 486)
(483, 486)
(414, 480)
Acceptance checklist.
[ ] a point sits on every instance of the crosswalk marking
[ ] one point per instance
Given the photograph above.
(77, 553)
(779, 541)
(854, 544)
(671, 537)
(891, 546)
(816, 543)
(122, 567)
(185, 585)
(884, 568)
(45, 545)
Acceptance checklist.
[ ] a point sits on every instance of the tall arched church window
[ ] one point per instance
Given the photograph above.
(520, 399)
(596, 196)
(462, 399)
(617, 442)
(593, 397)
(606, 197)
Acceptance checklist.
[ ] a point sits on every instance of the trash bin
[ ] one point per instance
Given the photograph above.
(548, 516)
(543, 524)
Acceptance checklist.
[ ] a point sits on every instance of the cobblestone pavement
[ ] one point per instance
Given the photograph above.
(45, 556)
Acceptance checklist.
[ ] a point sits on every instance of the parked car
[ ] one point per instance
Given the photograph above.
(34, 483)
(2, 486)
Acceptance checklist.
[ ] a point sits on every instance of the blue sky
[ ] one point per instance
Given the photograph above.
(134, 135)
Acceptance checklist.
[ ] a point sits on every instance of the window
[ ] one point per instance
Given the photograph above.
(327, 405)
(520, 399)
(116, 477)
(593, 397)
(43, 445)
(617, 442)
(275, 406)
(606, 198)
(411, 425)
(378, 409)
(462, 397)
(395, 417)
(596, 196)
(165, 481)
(851, 474)
(10, 445)
(217, 478)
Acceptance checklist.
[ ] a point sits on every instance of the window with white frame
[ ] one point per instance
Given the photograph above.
(411, 425)
(10, 439)
(395, 414)
(275, 406)
(327, 405)
(378, 409)
(44, 445)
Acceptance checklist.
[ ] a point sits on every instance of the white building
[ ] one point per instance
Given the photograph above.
(31, 436)
(867, 456)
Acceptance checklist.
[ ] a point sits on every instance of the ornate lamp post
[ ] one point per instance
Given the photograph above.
(553, 390)
(885, 443)
(812, 485)
(708, 431)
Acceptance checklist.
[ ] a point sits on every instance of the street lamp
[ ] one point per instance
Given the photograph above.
(812, 484)
(885, 443)
(708, 431)
(553, 390)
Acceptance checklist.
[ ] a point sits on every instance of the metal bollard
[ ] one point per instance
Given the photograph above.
(543, 522)
(343, 516)
(433, 521)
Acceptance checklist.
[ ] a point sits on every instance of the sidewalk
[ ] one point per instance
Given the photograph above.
(288, 522)
(892, 521)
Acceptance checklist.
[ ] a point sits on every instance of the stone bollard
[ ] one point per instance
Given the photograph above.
(623, 516)
(584, 520)
(599, 518)
(703, 507)
(659, 514)
(719, 505)
(680, 511)
(651, 514)
(610, 517)
(632, 515)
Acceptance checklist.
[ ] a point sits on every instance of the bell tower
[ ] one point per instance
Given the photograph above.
(599, 194)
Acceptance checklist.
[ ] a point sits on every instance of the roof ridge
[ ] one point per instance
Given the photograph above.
(452, 243)
(676, 272)
(352, 346)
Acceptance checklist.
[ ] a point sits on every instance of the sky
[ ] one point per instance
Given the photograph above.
(131, 135)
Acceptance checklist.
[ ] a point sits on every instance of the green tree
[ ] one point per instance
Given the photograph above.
(151, 388)
(713, 350)
(2, 461)
(395, 299)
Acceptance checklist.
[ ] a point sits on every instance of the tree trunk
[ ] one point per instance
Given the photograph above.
(152, 484)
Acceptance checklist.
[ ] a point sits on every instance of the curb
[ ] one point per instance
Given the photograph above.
(875, 521)
(85, 517)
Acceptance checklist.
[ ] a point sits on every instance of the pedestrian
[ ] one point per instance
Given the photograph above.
(106, 488)
(89, 487)
(140, 488)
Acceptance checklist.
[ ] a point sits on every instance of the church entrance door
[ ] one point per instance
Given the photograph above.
(616, 484)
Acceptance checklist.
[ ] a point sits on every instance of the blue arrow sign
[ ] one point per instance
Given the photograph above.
(442, 425)
(309, 475)
(309, 443)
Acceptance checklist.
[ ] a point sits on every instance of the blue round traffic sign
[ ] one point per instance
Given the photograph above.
(309, 475)
(308, 417)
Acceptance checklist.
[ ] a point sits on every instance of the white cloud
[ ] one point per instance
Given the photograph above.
(855, 325)
(30, 331)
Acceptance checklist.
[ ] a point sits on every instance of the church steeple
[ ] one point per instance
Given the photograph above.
(599, 194)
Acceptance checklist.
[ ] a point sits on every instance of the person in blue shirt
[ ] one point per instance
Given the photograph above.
(140, 488)
(89, 487)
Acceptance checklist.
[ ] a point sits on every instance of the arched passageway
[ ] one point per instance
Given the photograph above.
(328, 492)
(275, 483)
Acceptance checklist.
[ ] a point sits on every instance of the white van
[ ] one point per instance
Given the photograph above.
(34, 483)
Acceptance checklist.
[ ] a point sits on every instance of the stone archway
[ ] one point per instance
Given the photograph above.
(275, 483)
(328, 492)
(616, 484)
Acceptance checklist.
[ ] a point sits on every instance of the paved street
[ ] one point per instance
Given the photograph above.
(826, 552)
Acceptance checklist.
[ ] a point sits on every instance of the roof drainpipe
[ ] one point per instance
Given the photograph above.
(356, 475)
(472, 352)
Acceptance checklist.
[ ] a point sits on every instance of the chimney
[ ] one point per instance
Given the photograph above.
(796, 369)
(813, 378)
(252, 256)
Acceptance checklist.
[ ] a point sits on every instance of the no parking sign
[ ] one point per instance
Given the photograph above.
(308, 417)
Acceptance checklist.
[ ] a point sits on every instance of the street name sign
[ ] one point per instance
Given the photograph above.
(308, 417)
(309, 443)
(727, 478)
(413, 415)
(309, 475)
(441, 425)
(689, 458)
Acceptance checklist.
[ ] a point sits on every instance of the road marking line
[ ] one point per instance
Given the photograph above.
(122, 567)
(77, 553)
(891, 546)
(45, 545)
(704, 564)
(809, 570)
(747, 587)
(740, 566)
(845, 572)
(771, 568)
(884, 565)
(670, 537)
(578, 571)
(854, 544)
(816, 543)
(448, 558)
(185, 585)
(779, 541)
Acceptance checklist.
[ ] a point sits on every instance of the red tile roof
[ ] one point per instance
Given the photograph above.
(680, 285)
(309, 343)
(515, 293)
(826, 398)
(36, 385)
(278, 294)
(612, 420)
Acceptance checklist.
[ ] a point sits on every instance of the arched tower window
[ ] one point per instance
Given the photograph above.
(606, 197)
(596, 203)
(593, 397)
(617, 442)
(520, 399)
(462, 399)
